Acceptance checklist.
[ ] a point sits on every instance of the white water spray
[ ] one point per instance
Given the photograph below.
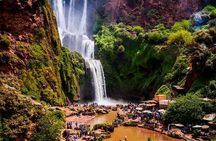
(73, 35)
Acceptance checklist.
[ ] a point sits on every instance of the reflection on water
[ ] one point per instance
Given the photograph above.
(132, 133)
(137, 134)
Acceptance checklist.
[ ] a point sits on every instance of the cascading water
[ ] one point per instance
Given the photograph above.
(73, 35)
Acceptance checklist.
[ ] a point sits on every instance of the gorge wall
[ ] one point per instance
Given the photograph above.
(35, 71)
(148, 13)
(32, 59)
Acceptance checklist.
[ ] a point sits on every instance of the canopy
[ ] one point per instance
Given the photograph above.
(147, 112)
(197, 126)
(179, 125)
(209, 117)
(162, 111)
(205, 127)
(139, 108)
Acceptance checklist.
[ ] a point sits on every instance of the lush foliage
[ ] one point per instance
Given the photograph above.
(187, 109)
(71, 70)
(127, 55)
(16, 115)
(163, 90)
(49, 126)
(181, 37)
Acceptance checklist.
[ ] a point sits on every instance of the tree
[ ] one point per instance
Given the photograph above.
(49, 126)
(187, 109)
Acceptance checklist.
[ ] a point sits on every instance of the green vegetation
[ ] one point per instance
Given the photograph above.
(71, 70)
(105, 126)
(16, 113)
(187, 109)
(127, 58)
(35, 69)
(182, 25)
(49, 126)
(163, 90)
(40, 33)
(181, 37)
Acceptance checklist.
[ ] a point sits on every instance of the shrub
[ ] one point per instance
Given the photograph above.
(15, 115)
(209, 8)
(187, 109)
(138, 29)
(4, 42)
(49, 127)
(164, 90)
(155, 37)
(105, 126)
(181, 37)
(182, 25)
(210, 90)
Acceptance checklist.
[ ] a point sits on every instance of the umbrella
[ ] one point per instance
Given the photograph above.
(197, 126)
(209, 117)
(139, 108)
(147, 112)
(205, 127)
(162, 111)
(179, 125)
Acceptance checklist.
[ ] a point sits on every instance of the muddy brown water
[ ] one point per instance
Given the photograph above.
(132, 133)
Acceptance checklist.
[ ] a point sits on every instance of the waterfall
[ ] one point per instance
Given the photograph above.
(72, 26)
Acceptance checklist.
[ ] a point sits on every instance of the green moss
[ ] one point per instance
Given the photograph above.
(71, 71)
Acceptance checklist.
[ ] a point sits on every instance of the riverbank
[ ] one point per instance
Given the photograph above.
(134, 121)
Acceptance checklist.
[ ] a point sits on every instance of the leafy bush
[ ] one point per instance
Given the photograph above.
(156, 37)
(187, 109)
(105, 126)
(210, 8)
(210, 90)
(138, 29)
(181, 37)
(49, 127)
(163, 90)
(182, 25)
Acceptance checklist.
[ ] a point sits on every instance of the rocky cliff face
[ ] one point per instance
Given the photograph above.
(34, 69)
(150, 12)
(31, 56)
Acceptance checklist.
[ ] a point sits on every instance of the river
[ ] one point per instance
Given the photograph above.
(132, 133)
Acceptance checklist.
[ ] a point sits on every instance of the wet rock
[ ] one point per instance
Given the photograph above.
(175, 133)
(130, 123)
(106, 127)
